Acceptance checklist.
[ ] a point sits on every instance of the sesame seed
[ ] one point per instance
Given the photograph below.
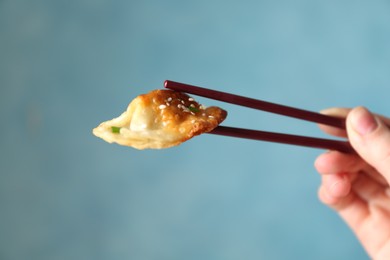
(192, 105)
(169, 99)
(211, 117)
(162, 106)
(190, 99)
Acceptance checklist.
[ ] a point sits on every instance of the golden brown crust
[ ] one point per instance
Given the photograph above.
(161, 119)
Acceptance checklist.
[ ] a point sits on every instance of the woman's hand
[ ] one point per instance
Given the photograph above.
(357, 186)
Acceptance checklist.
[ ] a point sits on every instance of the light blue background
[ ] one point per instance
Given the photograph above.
(65, 66)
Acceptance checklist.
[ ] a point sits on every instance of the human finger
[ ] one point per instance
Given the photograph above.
(370, 137)
(337, 185)
(375, 193)
(336, 112)
(351, 207)
(334, 162)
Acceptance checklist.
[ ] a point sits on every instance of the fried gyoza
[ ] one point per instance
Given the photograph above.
(160, 119)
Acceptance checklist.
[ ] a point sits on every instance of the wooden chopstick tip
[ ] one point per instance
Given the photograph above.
(170, 84)
(177, 85)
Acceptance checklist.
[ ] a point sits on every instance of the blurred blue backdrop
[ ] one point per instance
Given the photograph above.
(66, 66)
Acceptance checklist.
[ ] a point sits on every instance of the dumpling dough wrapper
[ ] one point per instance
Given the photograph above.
(160, 119)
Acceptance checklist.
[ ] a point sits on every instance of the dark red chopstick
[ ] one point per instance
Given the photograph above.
(341, 146)
(257, 104)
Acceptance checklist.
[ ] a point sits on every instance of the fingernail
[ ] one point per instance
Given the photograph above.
(363, 122)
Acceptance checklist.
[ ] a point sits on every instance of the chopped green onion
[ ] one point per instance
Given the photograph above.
(115, 129)
(193, 109)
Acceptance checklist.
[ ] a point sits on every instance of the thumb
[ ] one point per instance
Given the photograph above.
(370, 137)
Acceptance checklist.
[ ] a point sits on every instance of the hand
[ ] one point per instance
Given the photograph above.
(357, 186)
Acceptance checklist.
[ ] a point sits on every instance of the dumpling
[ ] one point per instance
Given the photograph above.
(160, 119)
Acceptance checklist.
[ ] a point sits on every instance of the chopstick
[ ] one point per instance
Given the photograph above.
(257, 104)
(342, 146)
